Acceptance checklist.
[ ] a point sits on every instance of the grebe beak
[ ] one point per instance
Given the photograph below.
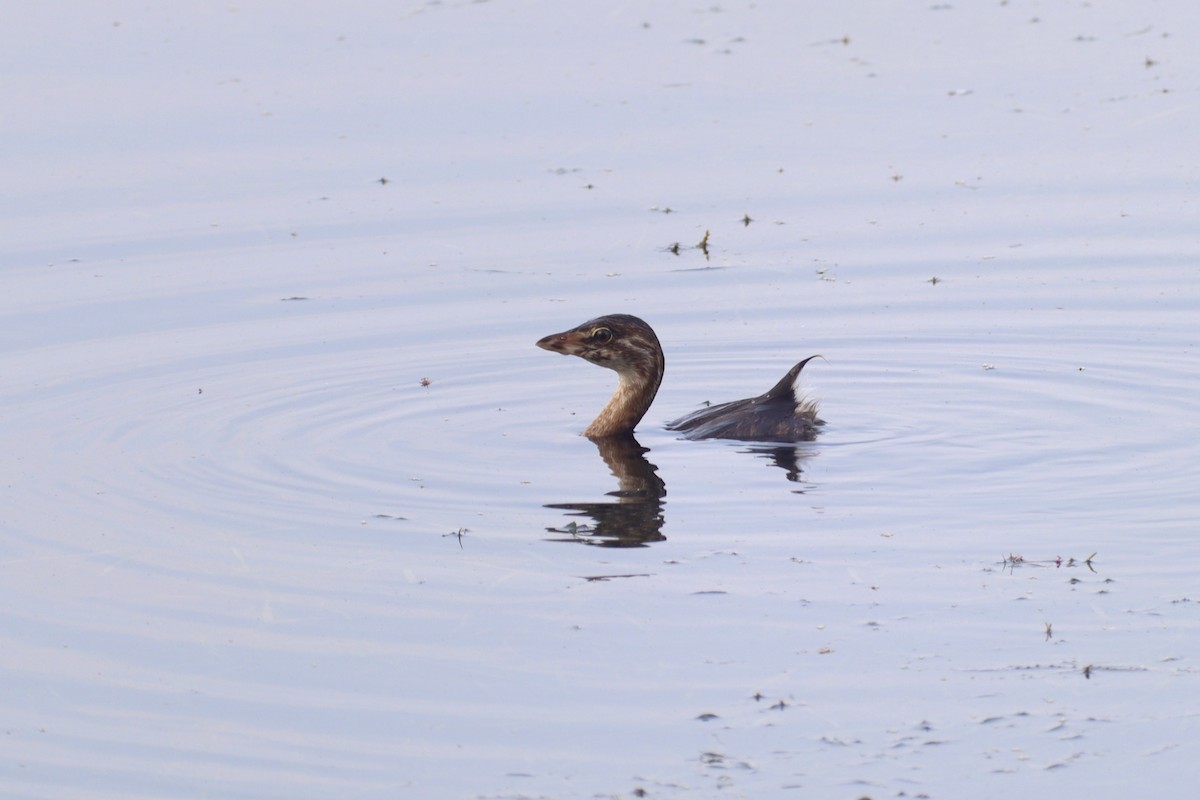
(569, 343)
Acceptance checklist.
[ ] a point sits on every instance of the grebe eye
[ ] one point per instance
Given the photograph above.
(602, 336)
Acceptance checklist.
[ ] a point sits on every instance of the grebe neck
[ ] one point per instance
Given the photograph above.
(629, 403)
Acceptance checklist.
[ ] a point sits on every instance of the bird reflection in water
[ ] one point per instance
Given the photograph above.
(788, 457)
(635, 517)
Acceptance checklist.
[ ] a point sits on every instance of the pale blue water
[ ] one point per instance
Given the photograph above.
(246, 553)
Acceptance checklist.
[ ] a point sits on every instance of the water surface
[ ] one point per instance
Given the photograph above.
(292, 502)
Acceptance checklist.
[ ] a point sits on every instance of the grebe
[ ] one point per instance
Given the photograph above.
(628, 346)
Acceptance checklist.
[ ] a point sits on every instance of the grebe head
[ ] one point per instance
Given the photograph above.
(620, 342)
(626, 345)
